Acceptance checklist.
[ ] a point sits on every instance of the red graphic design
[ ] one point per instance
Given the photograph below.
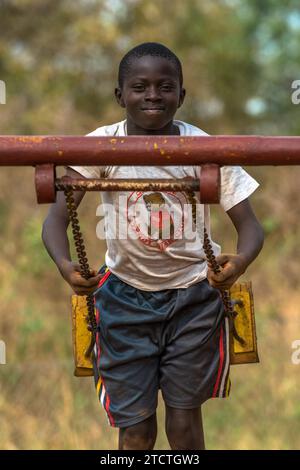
(156, 218)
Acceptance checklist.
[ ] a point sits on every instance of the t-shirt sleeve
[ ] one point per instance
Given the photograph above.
(236, 185)
(88, 171)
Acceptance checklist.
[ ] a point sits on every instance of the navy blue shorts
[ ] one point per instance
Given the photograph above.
(176, 340)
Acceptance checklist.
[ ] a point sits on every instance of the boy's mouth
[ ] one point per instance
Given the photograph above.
(153, 110)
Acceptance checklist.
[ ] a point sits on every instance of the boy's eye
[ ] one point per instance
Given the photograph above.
(167, 87)
(138, 87)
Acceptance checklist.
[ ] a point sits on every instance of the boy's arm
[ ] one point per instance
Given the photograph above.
(250, 243)
(55, 238)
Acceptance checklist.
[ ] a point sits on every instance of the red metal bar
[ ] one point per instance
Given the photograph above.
(45, 183)
(210, 184)
(149, 150)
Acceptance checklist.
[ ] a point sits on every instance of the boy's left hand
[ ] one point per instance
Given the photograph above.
(233, 266)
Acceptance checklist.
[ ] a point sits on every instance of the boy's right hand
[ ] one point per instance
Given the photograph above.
(70, 271)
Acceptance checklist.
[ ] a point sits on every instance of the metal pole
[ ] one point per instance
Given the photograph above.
(149, 150)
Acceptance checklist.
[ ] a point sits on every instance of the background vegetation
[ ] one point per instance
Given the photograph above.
(59, 61)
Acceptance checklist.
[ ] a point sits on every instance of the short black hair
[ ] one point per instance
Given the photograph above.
(154, 49)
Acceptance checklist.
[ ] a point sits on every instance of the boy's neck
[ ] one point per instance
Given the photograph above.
(169, 129)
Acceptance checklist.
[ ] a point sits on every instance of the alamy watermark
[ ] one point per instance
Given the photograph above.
(295, 357)
(2, 92)
(2, 352)
(295, 97)
(153, 218)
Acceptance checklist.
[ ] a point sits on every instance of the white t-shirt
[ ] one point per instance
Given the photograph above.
(153, 241)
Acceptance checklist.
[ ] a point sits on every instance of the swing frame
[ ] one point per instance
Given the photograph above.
(207, 152)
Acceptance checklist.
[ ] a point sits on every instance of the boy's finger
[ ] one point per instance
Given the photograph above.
(94, 280)
(94, 272)
(220, 277)
(222, 259)
(91, 282)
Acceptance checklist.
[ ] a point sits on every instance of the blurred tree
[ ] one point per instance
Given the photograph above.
(59, 60)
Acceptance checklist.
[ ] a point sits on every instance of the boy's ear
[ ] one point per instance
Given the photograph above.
(181, 97)
(119, 97)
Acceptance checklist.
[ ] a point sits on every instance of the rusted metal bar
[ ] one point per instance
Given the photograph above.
(210, 184)
(134, 184)
(45, 183)
(149, 150)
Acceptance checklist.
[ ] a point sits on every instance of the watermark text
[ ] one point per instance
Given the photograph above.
(295, 97)
(2, 92)
(295, 357)
(2, 352)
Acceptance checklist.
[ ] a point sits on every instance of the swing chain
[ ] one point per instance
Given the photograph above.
(84, 265)
(210, 257)
(228, 304)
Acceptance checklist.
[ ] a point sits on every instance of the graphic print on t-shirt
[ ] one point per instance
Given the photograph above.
(158, 219)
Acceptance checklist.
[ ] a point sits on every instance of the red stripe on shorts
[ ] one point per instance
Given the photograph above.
(221, 350)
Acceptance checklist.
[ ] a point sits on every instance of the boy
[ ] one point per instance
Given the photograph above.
(159, 311)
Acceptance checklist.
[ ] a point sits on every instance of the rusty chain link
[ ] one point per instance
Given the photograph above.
(227, 302)
(210, 257)
(84, 265)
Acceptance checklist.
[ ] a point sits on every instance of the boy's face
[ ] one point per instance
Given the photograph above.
(151, 94)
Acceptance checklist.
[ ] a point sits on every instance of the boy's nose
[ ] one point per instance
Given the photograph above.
(152, 94)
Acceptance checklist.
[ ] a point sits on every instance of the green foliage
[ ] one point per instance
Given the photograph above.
(33, 259)
(59, 60)
(270, 225)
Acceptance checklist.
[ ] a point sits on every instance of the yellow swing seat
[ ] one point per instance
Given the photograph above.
(244, 322)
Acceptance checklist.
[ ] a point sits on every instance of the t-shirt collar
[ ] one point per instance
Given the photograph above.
(123, 128)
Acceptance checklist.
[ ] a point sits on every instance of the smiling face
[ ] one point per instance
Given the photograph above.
(151, 94)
